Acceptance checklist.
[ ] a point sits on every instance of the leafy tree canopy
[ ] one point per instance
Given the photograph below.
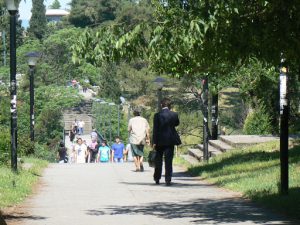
(55, 5)
(200, 36)
(86, 13)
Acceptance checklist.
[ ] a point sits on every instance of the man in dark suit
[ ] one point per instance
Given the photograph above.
(165, 137)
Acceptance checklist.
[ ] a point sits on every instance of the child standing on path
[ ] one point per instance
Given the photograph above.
(103, 153)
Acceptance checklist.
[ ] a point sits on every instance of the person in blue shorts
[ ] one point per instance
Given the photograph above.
(103, 152)
(117, 150)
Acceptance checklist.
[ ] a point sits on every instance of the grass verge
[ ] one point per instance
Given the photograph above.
(14, 188)
(255, 172)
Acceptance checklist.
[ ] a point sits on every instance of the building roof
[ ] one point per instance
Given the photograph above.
(57, 12)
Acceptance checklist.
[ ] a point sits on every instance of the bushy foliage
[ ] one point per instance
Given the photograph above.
(4, 110)
(258, 122)
(109, 85)
(50, 102)
(44, 152)
(4, 145)
(258, 84)
(93, 12)
(25, 145)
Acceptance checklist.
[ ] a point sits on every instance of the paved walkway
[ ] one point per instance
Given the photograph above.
(113, 194)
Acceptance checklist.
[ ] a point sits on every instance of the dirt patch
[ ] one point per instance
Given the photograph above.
(13, 215)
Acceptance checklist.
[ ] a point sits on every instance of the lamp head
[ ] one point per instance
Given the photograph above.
(32, 57)
(159, 81)
(12, 5)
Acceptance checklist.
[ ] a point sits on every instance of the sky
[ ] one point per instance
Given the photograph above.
(25, 8)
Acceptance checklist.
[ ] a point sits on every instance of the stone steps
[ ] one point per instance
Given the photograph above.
(83, 111)
(244, 140)
(195, 153)
(220, 145)
(190, 159)
(212, 151)
(226, 143)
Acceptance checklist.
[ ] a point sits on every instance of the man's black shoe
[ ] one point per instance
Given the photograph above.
(157, 182)
(168, 183)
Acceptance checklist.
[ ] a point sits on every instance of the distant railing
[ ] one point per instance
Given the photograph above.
(100, 137)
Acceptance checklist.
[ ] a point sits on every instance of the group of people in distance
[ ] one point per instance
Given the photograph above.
(164, 138)
(76, 128)
(95, 152)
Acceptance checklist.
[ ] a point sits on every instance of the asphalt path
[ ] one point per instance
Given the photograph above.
(114, 194)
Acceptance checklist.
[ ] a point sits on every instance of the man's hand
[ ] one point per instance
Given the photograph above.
(148, 141)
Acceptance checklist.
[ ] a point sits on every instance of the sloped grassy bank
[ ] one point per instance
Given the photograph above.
(14, 188)
(255, 172)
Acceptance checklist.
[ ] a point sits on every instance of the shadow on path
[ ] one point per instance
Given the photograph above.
(16, 217)
(174, 184)
(212, 211)
(2, 221)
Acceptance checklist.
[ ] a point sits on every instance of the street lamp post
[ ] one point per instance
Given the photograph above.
(104, 120)
(205, 118)
(119, 120)
(32, 60)
(159, 81)
(12, 8)
(284, 129)
(99, 115)
(110, 104)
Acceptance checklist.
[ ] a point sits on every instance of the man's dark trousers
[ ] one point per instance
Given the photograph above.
(168, 152)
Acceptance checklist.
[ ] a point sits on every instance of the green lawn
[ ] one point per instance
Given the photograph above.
(255, 172)
(14, 188)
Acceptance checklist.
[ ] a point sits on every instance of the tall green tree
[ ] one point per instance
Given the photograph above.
(38, 22)
(109, 85)
(94, 12)
(55, 5)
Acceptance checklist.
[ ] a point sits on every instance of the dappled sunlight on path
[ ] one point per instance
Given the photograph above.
(80, 194)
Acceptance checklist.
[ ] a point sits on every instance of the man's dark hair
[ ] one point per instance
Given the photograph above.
(166, 102)
(136, 112)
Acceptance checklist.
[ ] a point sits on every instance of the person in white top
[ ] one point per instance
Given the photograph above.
(80, 151)
(139, 135)
(80, 127)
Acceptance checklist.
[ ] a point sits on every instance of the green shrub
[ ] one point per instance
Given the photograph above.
(258, 122)
(43, 152)
(4, 145)
(25, 145)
